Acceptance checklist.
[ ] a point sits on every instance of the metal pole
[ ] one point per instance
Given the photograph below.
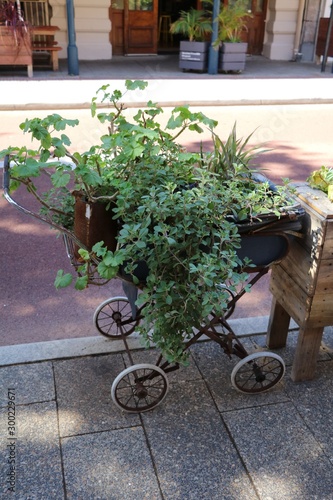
(72, 52)
(328, 39)
(213, 55)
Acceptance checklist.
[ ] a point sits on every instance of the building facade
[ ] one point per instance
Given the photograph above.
(278, 30)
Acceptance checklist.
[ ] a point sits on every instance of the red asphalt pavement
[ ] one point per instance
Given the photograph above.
(31, 310)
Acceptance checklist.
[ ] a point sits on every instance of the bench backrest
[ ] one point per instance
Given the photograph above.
(36, 12)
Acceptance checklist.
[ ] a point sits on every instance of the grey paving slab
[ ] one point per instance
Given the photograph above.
(313, 400)
(216, 368)
(84, 395)
(191, 449)
(38, 471)
(111, 465)
(32, 383)
(284, 459)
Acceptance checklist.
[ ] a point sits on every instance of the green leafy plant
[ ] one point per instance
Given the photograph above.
(178, 211)
(193, 24)
(322, 179)
(232, 21)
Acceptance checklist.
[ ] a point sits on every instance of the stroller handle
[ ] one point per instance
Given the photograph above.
(6, 183)
(6, 177)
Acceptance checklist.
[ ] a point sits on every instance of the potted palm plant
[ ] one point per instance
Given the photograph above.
(195, 25)
(15, 37)
(175, 214)
(230, 40)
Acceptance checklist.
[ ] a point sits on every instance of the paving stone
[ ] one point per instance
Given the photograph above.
(32, 383)
(191, 449)
(216, 368)
(282, 456)
(110, 465)
(313, 400)
(37, 453)
(84, 395)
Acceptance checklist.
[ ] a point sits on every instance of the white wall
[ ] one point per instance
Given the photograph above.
(92, 25)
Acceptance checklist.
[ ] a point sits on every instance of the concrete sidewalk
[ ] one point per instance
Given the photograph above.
(263, 82)
(205, 441)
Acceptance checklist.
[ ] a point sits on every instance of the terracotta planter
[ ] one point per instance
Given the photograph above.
(94, 223)
(15, 50)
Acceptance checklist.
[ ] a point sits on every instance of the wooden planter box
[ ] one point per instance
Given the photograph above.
(193, 55)
(232, 56)
(13, 53)
(302, 285)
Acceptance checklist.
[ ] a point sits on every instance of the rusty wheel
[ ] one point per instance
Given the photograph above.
(258, 372)
(139, 388)
(114, 318)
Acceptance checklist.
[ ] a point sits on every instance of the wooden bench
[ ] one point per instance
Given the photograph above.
(43, 41)
(38, 13)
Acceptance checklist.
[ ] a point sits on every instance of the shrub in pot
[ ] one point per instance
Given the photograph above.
(195, 25)
(230, 40)
(178, 212)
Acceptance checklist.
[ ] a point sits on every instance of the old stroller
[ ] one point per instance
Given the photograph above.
(141, 387)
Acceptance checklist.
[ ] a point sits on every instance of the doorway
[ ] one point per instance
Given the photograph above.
(142, 26)
(168, 12)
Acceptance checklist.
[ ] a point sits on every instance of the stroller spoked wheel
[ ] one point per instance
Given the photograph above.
(257, 372)
(114, 318)
(139, 388)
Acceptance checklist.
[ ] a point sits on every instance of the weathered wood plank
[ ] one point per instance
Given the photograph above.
(12, 53)
(301, 267)
(292, 298)
(278, 326)
(306, 355)
(315, 198)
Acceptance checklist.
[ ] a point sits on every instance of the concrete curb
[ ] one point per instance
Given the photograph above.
(88, 346)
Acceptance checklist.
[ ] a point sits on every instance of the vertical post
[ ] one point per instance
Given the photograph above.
(328, 39)
(213, 55)
(72, 52)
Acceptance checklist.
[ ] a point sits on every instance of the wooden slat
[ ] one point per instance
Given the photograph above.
(291, 296)
(315, 198)
(308, 344)
(301, 267)
(12, 54)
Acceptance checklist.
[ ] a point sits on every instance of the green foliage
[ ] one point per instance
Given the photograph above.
(194, 24)
(178, 209)
(322, 179)
(232, 21)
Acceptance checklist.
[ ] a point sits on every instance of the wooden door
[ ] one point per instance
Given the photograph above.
(134, 26)
(141, 27)
(256, 27)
